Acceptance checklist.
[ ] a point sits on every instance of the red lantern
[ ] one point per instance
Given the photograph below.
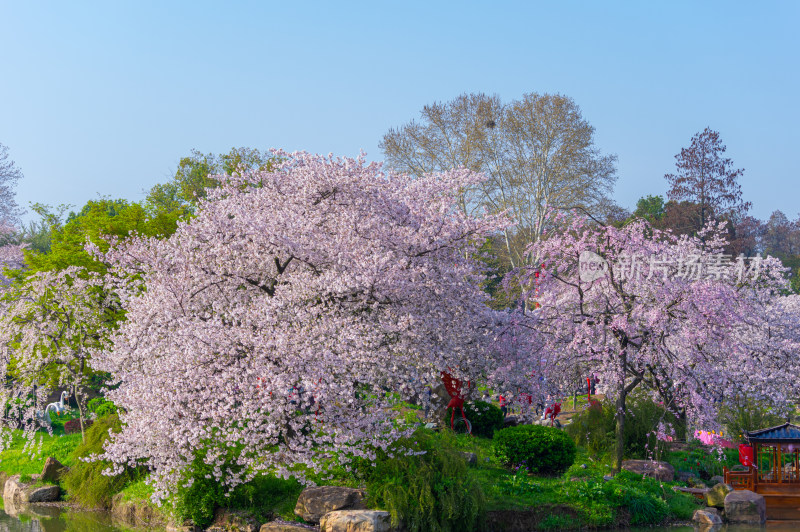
(745, 455)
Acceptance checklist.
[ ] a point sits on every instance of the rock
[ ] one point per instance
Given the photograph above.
(11, 487)
(315, 502)
(136, 513)
(471, 458)
(47, 493)
(18, 492)
(744, 506)
(226, 520)
(608, 477)
(695, 482)
(658, 470)
(53, 470)
(717, 479)
(183, 528)
(707, 520)
(357, 521)
(510, 421)
(583, 466)
(715, 497)
(282, 526)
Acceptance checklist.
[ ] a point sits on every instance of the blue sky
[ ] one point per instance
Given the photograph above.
(106, 97)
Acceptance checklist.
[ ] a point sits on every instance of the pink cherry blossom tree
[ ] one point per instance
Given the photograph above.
(672, 315)
(288, 315)
(51, 321)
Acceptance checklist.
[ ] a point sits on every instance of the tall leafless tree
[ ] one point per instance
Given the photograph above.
(538, 154)
(706, 178)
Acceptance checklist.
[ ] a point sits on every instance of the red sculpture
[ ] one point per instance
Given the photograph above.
(453, 387)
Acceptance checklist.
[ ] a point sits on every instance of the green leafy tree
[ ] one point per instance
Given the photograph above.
(651, 208)
(196, 173)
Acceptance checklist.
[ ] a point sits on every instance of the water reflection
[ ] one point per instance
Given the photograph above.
(41, 518)
(772, 526)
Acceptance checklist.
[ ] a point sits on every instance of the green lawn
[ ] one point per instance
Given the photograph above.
(22, 457)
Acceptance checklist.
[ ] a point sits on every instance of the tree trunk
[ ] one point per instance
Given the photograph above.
(80, 416)
(622, 395)
(620, 429)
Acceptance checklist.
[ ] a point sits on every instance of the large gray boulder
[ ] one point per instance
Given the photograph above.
(18, 492)
(315, 502)
(744, 506)
(715, 497)
(707, 519)
(357, 521)
(650, 468)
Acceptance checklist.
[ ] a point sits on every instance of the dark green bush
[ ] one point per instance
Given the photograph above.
(545, 450)
(427, 492)
(484, 417)
(85, 482)
(262, 496)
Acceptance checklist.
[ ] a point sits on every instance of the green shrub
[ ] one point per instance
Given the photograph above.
(539, 449)
(484, 417)
(263, 496)
(94, 403)
(645, 498)
(106, 409)
(594, 428)
(85, 482)
(645, 509)
(427, 492)
(101, 407)
(703, 461)
(682, 505)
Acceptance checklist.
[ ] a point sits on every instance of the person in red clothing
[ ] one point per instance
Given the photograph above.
(503, 406)
(552, 412)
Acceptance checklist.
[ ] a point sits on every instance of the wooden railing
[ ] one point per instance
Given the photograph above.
(740, 480)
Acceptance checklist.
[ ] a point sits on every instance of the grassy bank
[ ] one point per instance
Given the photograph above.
(437, 490)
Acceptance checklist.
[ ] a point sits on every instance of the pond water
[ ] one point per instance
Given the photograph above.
(773, 526)
(41, 518)
(38, 518)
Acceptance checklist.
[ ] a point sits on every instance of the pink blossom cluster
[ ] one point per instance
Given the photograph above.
(711, 438)
(286, 317)
(690, 342)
